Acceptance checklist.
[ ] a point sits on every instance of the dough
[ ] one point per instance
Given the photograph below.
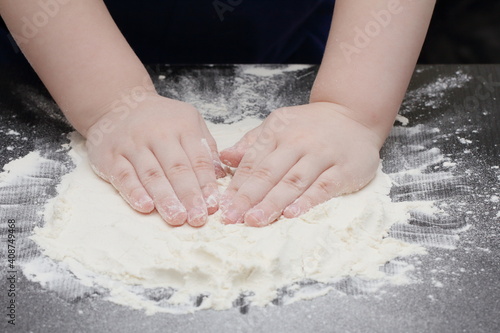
(90, 228)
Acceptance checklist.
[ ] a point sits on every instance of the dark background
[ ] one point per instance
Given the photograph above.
(462, 31)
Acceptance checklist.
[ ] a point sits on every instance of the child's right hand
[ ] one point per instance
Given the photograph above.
(160, 155)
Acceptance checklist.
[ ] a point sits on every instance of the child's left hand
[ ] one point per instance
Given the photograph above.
(297, 158)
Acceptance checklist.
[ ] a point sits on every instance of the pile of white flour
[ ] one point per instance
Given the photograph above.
(103, 241)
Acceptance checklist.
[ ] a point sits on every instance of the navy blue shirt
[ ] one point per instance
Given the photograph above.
(217, 31)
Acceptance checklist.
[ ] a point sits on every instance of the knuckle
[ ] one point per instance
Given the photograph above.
(295, 182)
(263, 174)
(122, 176)
(245, 170)
(267, 136)
(325, 186)
(202, 164)
(178, 169)
(244, 198)
(152, 175)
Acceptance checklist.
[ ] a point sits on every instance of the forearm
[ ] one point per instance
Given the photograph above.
(370, 56)
(79, 54)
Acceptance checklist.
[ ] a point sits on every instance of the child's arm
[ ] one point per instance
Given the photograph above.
(370, 74)
(152, 149)
(303, 155)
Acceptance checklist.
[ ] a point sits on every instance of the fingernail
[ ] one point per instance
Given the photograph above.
(224, 202)
(219, 170)
(274, 216)
(141, 205)
(293, 210)
(227, 162)
(256, 217)
(217, 164)
(232, 216)
(211, 201)
(174, 218)
(145, 203)
(173, 212)
(211, 196)
(197, 217)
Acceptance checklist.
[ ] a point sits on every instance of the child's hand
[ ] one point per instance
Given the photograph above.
(158, 155)
(297, 158)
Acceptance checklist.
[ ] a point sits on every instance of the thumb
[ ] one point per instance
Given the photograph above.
(212, 149)
(211, 146)
(232, 156)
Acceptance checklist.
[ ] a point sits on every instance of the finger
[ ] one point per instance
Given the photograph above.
(157, 185)
(211, 145)
(257, 184)
(250, 161)
(124, 178)
(232, 156)
(199, 154)
(181, 176)
(331, 183)
(290, 187)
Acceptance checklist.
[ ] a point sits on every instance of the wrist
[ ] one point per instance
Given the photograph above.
(377, 118)
(377, 134)
(115, 105)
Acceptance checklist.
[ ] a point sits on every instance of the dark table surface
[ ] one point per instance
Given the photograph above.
(455, 109)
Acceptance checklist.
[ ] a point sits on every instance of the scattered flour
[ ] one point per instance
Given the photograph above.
(448, 164)
(267, 71)
(403, 120)
(433, 95)
(411, 168)
(464, 141)
(12, 132)
(91, 230)
(21, 167)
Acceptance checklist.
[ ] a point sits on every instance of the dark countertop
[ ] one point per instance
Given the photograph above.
(457, 286)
